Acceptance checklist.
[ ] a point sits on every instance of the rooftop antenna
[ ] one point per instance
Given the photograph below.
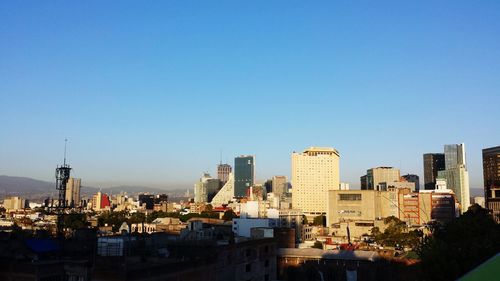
(65, 143)
(62, 177)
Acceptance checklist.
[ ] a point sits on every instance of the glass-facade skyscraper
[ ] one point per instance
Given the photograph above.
(456, 174)
(244, 174)
(433, 163)
(491, 173)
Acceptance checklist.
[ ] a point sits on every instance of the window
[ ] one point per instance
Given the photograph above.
(350, 197)
(364, 224)
(266, 263)
(248, 267)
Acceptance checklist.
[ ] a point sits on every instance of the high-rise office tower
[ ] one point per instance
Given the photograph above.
(364, 182)
(223, 171)
(491, 173)
(244, 174)
(433, 163)
(376, 176)
(314, 172)
(414, 179)
(279, 185)
(205, 189)
(456, 174)
(73, 192)
(100, 201)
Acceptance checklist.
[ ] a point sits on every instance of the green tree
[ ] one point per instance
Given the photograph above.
(320, 220)
(304, 220)
(460, 245)
(396, 233)
(318, 245)
(375, 231)
(75, 221)
(229, 215)
(137, 218)
(113, 219)
(209, 208)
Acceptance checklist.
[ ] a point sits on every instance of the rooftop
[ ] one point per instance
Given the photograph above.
(329, 254)
(316, 149)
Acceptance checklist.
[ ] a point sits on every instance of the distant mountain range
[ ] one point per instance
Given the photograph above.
(38, 190)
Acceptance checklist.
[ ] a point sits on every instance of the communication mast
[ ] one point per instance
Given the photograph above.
(62, 177)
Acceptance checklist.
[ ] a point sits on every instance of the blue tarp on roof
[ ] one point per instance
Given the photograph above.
(42, 245)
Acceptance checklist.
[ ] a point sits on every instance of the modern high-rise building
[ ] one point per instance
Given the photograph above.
(223, 171)
(205, 189)
(491, 173)
(100, 201)
(376, 176)
(314, 172)
(433, 163)
(364, 183)
(73, 192)
(279, 185)
(456, 174)
(14, 203)
(225, 194)
(244, 174)
(414, 179)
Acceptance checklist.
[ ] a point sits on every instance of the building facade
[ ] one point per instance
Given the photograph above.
(279, 185)
(491, 174)
(73, 192)
(456, 174)
(314, 172)
(244, 174)
(364, 183)
(433, 163)
(225, 194)
(414, 179)
(14, 203)
(205, 189)
(376, 176)
(100, 201)
(223, 171)
(361, 209)
(360, 205)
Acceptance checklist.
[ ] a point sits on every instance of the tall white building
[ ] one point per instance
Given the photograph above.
(205, 189)
(73, 192)
(14, 203)
(456, 174)
(225, 194)
(314, 172)
(279, 185)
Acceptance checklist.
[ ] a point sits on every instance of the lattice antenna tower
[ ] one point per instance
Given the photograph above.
(62, 177)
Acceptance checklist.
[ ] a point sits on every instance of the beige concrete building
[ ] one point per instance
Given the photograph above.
(14, 203)
(363, 209)
(360, 205)
(376, 176)
(314, 172)
(73, 192)
(418, 208)
(279, 185)
(397, 184)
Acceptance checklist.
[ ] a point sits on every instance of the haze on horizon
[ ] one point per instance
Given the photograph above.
(151, 93)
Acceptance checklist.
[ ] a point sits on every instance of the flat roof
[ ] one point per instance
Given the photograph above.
(313, 253)
(321, 149)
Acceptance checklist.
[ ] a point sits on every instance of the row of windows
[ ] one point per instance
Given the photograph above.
(350, 197)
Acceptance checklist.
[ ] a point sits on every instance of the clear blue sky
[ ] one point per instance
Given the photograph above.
(149, 92)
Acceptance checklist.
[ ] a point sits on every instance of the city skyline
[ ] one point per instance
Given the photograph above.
(134, 88)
